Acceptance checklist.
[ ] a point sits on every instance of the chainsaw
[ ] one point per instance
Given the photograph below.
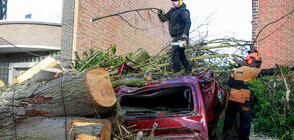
(180, 43)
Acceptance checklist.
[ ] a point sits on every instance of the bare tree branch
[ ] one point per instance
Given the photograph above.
(119, 13)
(286, 106)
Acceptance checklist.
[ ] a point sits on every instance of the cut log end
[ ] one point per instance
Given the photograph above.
(105, 133)
(2, 83)
(106, 130)
(100, 87)
(85, 136)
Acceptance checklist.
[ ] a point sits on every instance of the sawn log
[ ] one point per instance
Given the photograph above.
(73, 94)
(42, 128)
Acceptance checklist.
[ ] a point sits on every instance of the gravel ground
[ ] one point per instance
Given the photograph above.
(254, 136)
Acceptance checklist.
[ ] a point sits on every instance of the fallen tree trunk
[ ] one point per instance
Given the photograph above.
(66, 96)
(42, 128)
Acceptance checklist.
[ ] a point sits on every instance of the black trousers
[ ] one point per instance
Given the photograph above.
(245, 119)
(178, 57)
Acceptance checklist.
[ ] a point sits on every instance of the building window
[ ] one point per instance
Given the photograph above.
(3, 9)
(16, 69)
(28, 16)
(4, 72)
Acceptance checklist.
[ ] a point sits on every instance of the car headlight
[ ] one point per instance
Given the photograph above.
(220, 94)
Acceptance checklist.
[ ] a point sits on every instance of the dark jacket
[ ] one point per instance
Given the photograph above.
(179, 21)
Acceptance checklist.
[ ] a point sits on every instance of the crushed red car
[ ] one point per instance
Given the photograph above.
(182, 108)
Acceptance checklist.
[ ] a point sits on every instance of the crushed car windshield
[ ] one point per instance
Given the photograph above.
(148, 103)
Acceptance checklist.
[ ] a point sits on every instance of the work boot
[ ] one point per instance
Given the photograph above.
(188, 72)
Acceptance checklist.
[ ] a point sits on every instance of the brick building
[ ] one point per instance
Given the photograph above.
(68, 29)
(147, 31)
(276, 41)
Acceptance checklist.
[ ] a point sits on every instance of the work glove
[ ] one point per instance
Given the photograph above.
(160, 12)
(184, 38)
(162, 16)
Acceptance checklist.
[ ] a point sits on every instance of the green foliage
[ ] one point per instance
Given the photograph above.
(271, 118)
(97, 59)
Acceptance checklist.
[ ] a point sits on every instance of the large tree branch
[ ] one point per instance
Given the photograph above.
(119, 13)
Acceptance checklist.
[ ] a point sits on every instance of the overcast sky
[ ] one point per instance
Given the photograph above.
(231, 18)
(226, 18)
(40, 10)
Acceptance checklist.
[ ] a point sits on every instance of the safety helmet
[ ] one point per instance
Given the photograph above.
(253, 60)
(252, 51)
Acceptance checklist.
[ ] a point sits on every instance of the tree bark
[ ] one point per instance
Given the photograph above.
(66, 96)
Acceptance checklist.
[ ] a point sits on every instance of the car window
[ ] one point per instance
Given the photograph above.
(177, 100)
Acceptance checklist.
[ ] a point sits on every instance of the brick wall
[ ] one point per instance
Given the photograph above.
(31, 34)
(67, 32)
(276, 42)
(255, 17)
(148, 32)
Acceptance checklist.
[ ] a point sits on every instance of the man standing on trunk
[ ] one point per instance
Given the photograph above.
(179, 26)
